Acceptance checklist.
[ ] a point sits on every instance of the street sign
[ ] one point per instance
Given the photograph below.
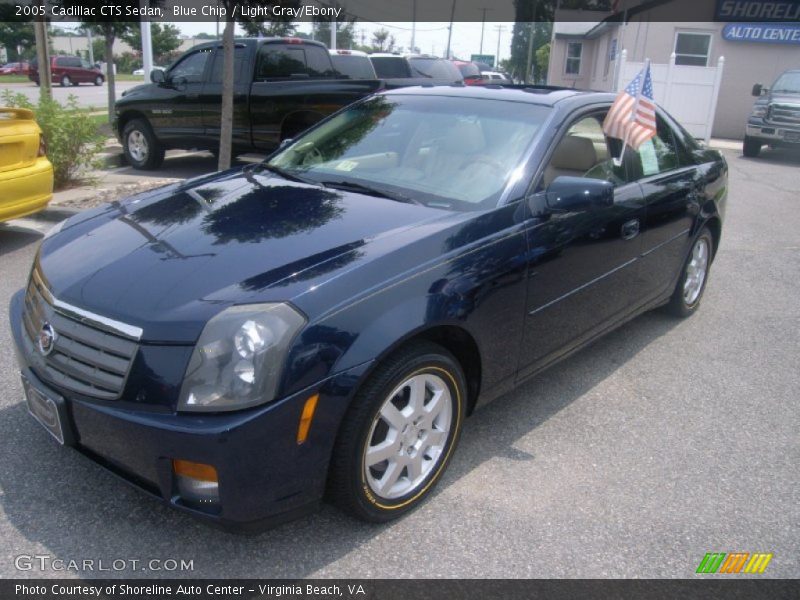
(484, 58)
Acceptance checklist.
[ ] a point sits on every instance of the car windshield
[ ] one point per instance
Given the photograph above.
(788, 82)
(355, 67)
(441, 151)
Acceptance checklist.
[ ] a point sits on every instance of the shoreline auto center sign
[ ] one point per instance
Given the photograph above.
(768, 33)
(761, 21)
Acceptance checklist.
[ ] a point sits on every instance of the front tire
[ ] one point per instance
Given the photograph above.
(66, 81)
(98, 81)
(399, 434)
(692, 282)
(140, 146)
(751, 147)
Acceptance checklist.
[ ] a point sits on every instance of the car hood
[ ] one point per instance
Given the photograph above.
(784, 98)
(168, 260)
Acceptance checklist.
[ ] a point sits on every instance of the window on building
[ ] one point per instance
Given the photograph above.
(573, 64)
(692, 49)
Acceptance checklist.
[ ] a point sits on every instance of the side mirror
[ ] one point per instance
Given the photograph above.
(574, 194)
(157, 76)
(758, 89)
(285, 142)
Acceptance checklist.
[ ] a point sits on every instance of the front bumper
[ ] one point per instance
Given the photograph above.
(265, 476)
(776, 135)
(27, 190)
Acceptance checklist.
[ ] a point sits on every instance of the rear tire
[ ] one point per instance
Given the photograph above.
(691, 284)
(751, 147)
(398, 434)
(141, 147)
(66, 81)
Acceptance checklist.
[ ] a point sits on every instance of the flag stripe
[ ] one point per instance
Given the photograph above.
(632, 116)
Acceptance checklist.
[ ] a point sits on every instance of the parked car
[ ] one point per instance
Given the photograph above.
(69, 70)
(495, 77)
(775, 119)
(26, 176)
(141, 71)
(469, 71)
(282, 86)
(414, 69)
(15, 68)
(352, 64)
(240, 343)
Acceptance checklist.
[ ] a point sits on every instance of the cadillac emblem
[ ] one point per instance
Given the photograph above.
(47, 339)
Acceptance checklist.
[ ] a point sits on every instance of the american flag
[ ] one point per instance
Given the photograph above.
(632, 117)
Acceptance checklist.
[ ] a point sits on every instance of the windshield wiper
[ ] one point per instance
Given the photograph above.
(366, 189)
(252, 168)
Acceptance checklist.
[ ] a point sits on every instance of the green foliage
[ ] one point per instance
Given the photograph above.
(542, 61)
(14, 36)
(165, 38)
(73, 141)
(383, 41)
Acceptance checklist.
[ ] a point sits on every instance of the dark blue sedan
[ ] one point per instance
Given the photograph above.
(245, 344)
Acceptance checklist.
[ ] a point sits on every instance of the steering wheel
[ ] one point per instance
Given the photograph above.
(484, 159)
(312, 156)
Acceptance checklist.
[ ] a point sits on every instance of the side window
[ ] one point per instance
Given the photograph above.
(658, 154)
(239, 65)
(585, 151)
(191, 67)
(278, 61)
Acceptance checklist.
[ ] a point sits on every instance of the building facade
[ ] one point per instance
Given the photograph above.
(588, 54)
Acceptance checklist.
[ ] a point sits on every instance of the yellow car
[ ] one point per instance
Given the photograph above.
(26, 176)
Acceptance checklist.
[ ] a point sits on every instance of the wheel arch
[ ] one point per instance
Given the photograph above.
(126, 118)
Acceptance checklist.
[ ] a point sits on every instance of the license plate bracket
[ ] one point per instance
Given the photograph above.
(49, 409)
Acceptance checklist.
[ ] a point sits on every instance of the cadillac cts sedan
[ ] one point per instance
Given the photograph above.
(245, 344)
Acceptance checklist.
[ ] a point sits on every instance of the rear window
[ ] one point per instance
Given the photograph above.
(354, 67)
(282, 61)
(390, 66)
(435, 68)
(469, 70)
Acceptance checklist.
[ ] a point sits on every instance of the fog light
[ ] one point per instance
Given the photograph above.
(197, 483)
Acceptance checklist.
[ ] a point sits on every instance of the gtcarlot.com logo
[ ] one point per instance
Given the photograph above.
(45, 562)
(734, 562)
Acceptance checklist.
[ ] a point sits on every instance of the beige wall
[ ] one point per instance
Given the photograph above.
(746, 63)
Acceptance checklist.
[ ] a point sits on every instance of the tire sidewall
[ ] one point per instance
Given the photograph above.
(66, 81)
(152, 144)
(98, 81)
(383, 509)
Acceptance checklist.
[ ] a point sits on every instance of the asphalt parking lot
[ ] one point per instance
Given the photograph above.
(663, 441)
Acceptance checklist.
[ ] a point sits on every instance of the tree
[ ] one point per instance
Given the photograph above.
(382, 41)
(165, 38)
(345, 31)
(226, 123)
(15, 35)
(110, 31)
(542, 61)
(262, 27)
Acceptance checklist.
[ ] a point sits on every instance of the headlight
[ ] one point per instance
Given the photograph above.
(759, 110)
(239, 358)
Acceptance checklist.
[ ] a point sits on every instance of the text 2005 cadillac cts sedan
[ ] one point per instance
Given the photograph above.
(245, 344)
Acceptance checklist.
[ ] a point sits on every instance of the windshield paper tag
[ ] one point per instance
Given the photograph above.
(346, 165)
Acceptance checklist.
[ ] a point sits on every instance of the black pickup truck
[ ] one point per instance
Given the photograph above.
(281, 87)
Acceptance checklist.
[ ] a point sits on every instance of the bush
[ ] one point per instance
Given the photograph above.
(72, 136)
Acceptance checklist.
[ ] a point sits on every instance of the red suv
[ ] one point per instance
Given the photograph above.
(69, 70)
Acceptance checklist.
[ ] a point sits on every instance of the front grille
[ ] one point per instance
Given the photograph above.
(784, 114)
(84, 358)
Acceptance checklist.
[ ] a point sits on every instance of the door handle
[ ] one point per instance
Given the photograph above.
(630, 229)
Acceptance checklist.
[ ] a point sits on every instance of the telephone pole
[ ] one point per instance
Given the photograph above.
(500, 29)
(483, 24)
(450, 29)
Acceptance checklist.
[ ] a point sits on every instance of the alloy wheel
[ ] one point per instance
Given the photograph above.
(696, 270)
(408, 436)
(137, 146)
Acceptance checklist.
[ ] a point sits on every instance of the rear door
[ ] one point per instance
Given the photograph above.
(672, 187)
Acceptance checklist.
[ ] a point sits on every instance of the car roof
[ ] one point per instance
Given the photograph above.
(345, 52)
(531, 94)
(393, 55)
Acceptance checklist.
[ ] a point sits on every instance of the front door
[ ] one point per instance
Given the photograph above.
(583, 266)
(176, 111)
(211, 98)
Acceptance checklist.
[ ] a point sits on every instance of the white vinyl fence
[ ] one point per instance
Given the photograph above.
(688, 93)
